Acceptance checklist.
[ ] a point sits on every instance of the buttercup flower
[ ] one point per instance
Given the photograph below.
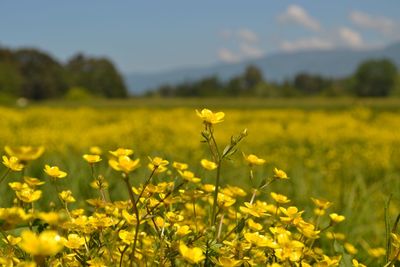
(209, 117)
(208, 165)
(253, 160)
(121, 152)
(45, 244)
(13, 163)
(92, 158)
(279, 174)
(336, 218)
(180, 166)
(124, 164)
(192, 255)
(74, 241)
(24, 153)
(54, 171)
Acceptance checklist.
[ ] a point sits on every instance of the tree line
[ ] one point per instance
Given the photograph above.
(372, 78)
(35, 75)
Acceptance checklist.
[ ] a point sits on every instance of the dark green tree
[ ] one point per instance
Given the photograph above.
(43, 77)
(252, 76)
(10, 79)
(98, 75)
(375, 78)
(308, 84)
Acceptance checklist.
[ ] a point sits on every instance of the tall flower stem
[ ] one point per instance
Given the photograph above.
(217, 156)
(136, 211)
(4, 175)
(215, 204)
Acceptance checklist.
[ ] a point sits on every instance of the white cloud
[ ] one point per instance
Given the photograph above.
(251, 51)
(381, 24)
(247, 36)
(298, 15)
(245, 45)
(226, 55)
(350, 38)
(307, 44)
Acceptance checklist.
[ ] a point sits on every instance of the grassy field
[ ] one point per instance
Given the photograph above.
(343, 150)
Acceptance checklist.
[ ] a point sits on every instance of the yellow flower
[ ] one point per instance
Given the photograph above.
(327, 261)
(13, 240)
(126, 236)
(293, 215)
(350, 248)
(209, 187)
(183, 230)
(157, 161)
(174, 217)
(13, 215)
(260, 240)
(336, 218)
(95, 150)
(13, 163)
(253, 160)
(189, 176)
(228, 262)
(253, 225)
(282, 199)
(208, 165)
(279, 174)
(321, 203)
(395, 240)
(180, 166)
(66, 196)
(16, 186)
(377, 252)
(234, 191)
(308, 230)
(209, 117)
(124, 164)
(54, 171)
(45, 244)
(224, 201)
(255, 210)
(157, 164)
(121, 152)
(191, 255)
(289, 249)
(28, 195)
(92, 158)
(337, 236)
(96, 262)
(51, 217)
(357, 264)
(74, 241)
(33, 182)
(160, 222)
(129, 218)
(25, 153)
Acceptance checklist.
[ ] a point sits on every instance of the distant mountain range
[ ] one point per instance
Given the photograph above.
(275, 67)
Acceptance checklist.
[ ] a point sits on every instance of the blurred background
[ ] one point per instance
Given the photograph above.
(316, 83)
(81, 50)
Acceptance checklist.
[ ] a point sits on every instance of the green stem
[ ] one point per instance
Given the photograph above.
(162, 200)
(220, 226)
(4, 175)
(146, 184)
(136, 211)
(215, 204)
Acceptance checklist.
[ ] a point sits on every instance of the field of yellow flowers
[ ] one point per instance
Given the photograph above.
(122, 186)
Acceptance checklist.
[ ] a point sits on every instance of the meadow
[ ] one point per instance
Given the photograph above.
(345, 151)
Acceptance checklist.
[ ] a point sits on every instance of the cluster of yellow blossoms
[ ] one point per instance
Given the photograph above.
(172, 218)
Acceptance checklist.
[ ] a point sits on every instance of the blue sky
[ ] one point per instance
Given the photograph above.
(150, 36)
